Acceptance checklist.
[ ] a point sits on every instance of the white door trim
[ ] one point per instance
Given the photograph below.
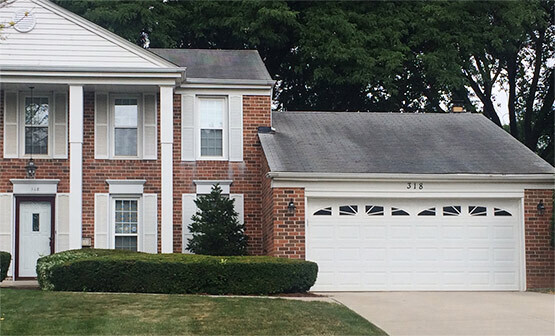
(18, 201)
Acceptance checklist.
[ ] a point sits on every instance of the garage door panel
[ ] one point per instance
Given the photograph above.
(322, 253)
(427, 254)
(479, 254)
(450, 231)
(322, 231)
(503, 232)
(374, 232)
(379, 251)
(349, 231)
(427, 232)
(505, 278)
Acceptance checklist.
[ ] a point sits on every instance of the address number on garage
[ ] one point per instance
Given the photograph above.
(415, 185)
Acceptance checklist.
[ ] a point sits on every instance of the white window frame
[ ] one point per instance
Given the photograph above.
(112, 126)
(225, 129)
(21, 123)
(139, 234)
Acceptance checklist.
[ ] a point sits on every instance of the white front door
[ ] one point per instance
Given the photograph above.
(35, 231)
(415, 244)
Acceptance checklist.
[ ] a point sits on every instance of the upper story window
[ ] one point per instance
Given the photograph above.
(126, 116)
(125, 126)
(36, 125)
(212, 113)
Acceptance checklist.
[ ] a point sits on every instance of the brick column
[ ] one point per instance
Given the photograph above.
(289, 227)
(540, 254)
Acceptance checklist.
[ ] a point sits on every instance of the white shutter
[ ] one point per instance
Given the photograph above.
(62, 222)
(101, 126)
(239, 206)
(236, 128)
(149, 127)
(101, 220)
(189, 208)
(10, 125)
(60, 126)
(6, 220)
(188, 127)
(150, 223)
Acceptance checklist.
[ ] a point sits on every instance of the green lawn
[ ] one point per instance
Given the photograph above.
(40, 312)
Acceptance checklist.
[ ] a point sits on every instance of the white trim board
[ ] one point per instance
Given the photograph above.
(309, 176)
(128, 187)
(35, 186)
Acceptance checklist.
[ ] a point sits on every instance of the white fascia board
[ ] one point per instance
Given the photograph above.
(229, 81)
(420, 195)
(263, 89)
(224, 91)
(106, 34)
(370, 177)
(174, 71)
(92, 80)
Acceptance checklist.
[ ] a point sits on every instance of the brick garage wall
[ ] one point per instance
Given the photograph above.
(288, 228)
(267, 210)
(15, 168)
(540, 254)
(245, 175)
(96, 172)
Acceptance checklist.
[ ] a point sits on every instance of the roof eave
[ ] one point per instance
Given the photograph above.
(262, 82)
(345, 177)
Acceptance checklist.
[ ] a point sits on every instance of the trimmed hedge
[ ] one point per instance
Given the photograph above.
(5, 259)
(96, 270)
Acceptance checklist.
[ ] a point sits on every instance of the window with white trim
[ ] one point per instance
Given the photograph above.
(36, 124)
(126, 224)
(212, 132)
(125, 127)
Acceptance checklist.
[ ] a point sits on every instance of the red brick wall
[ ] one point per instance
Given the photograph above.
(96, 172)
(15, 168)
(289, 228)
(245, 175)
(540, 254)
(267, 210)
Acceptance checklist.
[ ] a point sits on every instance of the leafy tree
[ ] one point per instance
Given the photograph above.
(493, 44)
(215, 227)
(371, 56)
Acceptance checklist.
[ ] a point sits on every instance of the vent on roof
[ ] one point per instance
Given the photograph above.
(266, 130)
(457, 106)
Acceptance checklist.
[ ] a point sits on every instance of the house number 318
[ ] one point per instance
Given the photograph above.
(415, 185)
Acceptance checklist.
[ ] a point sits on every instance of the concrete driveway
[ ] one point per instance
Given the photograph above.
(455, 313)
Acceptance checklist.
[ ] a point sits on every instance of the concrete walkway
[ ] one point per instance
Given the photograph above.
(455, 313)
(20, 284)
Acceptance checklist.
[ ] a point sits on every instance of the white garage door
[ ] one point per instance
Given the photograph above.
(402, 244)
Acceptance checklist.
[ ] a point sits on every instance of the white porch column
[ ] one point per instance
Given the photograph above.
(75, 165)
(166, 141)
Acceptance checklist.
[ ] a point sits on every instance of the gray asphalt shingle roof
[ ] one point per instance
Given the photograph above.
(352, 142)
(218, 64)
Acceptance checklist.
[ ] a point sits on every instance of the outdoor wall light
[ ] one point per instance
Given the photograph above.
(291, 206)
(31, 169)
(541, 208)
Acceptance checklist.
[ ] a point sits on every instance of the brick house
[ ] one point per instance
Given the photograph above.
(124, 139)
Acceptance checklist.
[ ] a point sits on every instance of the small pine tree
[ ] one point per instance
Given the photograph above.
(215, 227)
